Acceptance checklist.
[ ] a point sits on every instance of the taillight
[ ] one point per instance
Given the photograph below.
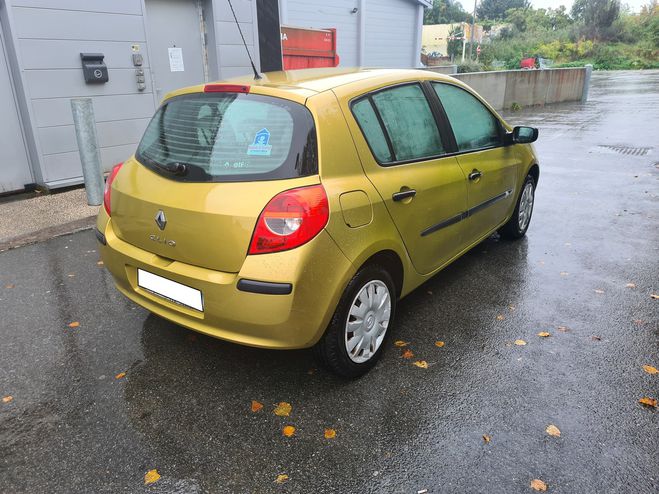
(290, 219)
(108, 187)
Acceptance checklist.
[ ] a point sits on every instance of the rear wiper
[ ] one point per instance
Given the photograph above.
(176, 168)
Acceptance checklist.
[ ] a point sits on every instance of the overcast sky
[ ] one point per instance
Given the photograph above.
(634, 5)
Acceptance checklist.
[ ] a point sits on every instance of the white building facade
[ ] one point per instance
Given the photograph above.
(150, 47)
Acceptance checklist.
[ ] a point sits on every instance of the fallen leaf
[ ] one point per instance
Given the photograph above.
(330, 433)
(552, 430)
(648, 402)
(10, 285)
(281, 478)
(283, 409)
(311, 371)
(649, 369)
(71, 275)
(630, 285)
(596, 338)
(511, 307)
(500, 317)
(564, 273)
(288, 431)
(486, 438)
(429, 292)
(599, 291)
(7, 399)
(401, 343)
(151, 476)
(520, 342)
(654, 296)
(563, 329)
(422, 364)
(544, 334)
(407, 354)
(73, 324)
(640, 322)
(538, 485)
(121, 375)
(439, 344)
(422, 491)
(256, 406)
(100, 263)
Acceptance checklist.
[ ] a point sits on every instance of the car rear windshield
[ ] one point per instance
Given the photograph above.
(230, 137)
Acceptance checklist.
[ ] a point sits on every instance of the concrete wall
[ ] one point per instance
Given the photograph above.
(528, 87)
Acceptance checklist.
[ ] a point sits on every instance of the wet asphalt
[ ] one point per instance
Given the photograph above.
(183, 407)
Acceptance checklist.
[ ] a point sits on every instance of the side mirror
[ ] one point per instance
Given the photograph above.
(524, 135)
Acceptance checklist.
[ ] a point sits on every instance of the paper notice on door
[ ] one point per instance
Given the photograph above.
(176, 60)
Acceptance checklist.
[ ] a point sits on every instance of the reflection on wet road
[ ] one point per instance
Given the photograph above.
(183, 406)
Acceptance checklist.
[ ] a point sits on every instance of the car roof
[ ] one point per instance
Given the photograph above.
(304, 83)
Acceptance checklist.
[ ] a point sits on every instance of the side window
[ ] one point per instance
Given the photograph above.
(473, 124)
(368, 121)
(410, 131)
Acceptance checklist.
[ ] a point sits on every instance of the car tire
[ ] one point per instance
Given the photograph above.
(519, 222)
(350, 348)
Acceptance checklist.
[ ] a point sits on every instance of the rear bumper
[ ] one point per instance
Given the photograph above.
(283, 300)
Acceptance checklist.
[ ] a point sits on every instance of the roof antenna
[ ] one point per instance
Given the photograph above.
(257, 76)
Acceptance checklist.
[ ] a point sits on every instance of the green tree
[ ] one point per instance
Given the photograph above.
(597, 16)
(444, 12)
(496, 9)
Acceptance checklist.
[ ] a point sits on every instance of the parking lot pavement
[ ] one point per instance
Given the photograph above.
(474, 421)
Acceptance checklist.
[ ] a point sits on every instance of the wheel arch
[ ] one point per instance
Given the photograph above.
(389, 260)
(534, 171)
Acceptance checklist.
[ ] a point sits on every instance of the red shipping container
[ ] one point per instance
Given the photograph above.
(304, 48)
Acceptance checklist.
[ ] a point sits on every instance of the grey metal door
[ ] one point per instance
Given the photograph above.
(176, 47)
(14, 166)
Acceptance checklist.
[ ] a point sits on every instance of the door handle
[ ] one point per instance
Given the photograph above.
(399, 196)
(475, 174)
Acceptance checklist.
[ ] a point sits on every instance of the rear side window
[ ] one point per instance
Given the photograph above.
(410, 131)
(473, 124)
(220, 137)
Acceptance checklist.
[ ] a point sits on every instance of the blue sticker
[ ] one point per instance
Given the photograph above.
(260, 146)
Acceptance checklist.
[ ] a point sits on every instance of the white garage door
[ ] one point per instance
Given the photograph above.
(14, 167)
(391, 32)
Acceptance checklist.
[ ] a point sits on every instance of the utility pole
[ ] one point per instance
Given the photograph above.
(471, 33)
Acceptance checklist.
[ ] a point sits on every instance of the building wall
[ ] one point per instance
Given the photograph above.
(380, 33)
(232, 57)
(45, 40)
(321, 14)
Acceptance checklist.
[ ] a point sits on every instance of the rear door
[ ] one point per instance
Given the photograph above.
(490, 167)
(403, 154)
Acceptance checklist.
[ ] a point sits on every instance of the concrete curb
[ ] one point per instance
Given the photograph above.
(48, 233)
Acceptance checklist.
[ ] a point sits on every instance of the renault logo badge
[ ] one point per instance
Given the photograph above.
(161, 220)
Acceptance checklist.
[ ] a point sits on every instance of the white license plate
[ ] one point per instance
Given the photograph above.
(171, 290)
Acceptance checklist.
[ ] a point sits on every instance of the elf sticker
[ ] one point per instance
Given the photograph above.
(260, 146)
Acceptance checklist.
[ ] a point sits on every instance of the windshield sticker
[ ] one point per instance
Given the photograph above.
(260, 146)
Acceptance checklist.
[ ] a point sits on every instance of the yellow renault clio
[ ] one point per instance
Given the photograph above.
(294, 210)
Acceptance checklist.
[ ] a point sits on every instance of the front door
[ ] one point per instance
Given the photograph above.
(403, 156)
(14, 167)
(175, 44)
(490, 166)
